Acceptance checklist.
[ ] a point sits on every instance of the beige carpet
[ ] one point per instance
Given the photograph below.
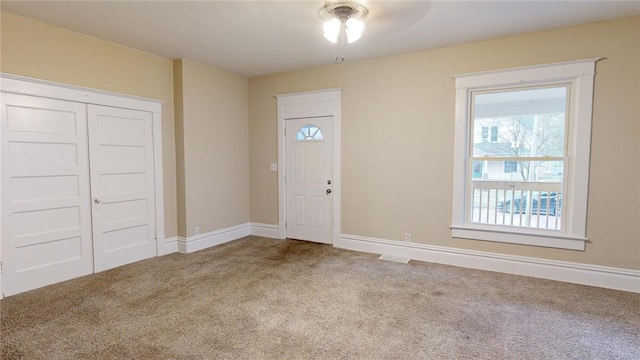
(258, 298)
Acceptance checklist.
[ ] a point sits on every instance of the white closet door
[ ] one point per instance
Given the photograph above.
(46, 229)
(122, 185)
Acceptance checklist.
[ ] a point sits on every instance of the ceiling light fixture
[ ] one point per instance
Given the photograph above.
(343, 21)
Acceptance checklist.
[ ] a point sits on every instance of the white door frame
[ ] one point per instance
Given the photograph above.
(326, 102)
(47, 89)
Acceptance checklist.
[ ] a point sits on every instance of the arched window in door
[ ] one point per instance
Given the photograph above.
(309, 133)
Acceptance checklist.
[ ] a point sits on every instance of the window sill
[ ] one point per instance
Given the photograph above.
(558, 241)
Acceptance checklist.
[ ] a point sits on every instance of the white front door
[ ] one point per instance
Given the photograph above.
(46, 228)
(122, 185)
(309, 176)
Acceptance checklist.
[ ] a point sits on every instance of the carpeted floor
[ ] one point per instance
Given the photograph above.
(258, 298)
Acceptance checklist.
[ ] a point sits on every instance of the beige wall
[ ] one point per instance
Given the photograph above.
(215, 147)
(180, 173)
(397, 138)
(33, 49)
(397, 130)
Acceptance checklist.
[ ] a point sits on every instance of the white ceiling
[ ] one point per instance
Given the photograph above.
(253, 38)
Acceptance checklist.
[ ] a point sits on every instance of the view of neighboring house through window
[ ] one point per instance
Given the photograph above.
(519, 184)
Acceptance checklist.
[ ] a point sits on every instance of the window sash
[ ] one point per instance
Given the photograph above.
(538, 210)
(488, 131)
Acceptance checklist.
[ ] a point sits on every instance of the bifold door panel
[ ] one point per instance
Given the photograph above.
(77, 190)
(45, 192)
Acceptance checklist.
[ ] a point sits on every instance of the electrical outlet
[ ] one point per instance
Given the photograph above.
(407, 237)
(197, 230)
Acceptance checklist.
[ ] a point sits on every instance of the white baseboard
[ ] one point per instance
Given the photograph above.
(264, 230)
(217, 237)
(170, 245)
(212, 238)
(585, 274)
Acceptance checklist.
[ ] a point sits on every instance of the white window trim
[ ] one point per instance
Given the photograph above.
(580, 75)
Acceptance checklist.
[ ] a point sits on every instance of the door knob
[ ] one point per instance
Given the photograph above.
(328, 191)
(328, 182)
(98, 200)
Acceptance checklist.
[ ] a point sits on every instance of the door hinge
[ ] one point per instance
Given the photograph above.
(285, 131)
(285, 224)
(1, 268)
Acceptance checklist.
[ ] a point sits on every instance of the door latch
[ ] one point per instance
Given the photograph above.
(97, 201)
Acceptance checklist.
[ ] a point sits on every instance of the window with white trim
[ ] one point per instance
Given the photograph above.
(528, 184)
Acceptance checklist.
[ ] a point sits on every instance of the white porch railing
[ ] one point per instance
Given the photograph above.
(509, 203)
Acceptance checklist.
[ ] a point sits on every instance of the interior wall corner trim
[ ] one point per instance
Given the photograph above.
(170, 245)
(264, 230)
